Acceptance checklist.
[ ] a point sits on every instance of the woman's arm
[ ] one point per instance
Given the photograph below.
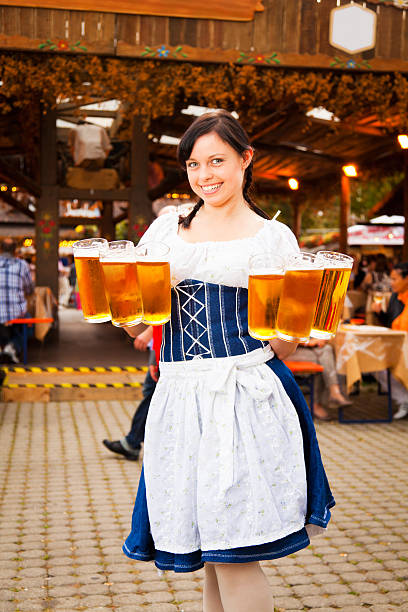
(281, 348)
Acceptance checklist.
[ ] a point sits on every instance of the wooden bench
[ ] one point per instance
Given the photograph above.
(306, 370)
(26, 323)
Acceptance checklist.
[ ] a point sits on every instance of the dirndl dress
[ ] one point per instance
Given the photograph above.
(232, 469)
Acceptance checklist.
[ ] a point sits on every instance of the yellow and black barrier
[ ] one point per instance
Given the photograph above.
(82, 369)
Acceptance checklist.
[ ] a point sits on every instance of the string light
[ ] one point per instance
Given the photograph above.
(403, 141)
(293, 184)
(350, 170)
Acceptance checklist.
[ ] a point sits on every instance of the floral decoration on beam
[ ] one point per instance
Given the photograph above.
(164, 52)
(258, 59)
(61, 45)
(338, 62)
(403, 4)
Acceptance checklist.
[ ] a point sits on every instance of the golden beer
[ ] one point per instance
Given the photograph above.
(264, 291)
(298, 303)
(122, 288)
(154, 280)
(91, 286)
(330, 302)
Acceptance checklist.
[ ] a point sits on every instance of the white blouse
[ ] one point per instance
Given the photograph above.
(221, 262)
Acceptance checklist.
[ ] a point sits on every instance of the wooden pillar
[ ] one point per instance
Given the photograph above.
(405, 209)
(140, 206)
(47, 213)
(344, 212)
(107, 226)
(297, 218)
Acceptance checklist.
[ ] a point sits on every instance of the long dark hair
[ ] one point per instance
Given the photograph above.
(230, 131)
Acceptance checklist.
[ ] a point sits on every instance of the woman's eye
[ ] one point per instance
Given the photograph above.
(192, 165)
(217, 161)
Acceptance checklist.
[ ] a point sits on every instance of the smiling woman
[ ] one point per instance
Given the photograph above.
(226, 480)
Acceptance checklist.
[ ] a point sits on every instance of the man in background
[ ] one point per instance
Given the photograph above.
(15, 286)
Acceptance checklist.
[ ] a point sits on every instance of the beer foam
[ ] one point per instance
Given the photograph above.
(91, 252)
(265, 272)
(114, 258)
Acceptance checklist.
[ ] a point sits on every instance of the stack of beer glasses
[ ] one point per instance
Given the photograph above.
(123, 284)
(119, 269)
(266, 273)
(94, 302)
(336, 275)
(300, 291)
(308, 298)
(153, 269)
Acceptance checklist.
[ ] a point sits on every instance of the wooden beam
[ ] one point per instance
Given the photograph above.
(68, 193)
(350, 127)
(239, 10)
(16, 204)
(344, 212)
(72, 221)
(107, 225)
(298, 149)
(11, 173)
(405, 211)
(140, 207)
(47, 213)
(67, 116)
(297, 217)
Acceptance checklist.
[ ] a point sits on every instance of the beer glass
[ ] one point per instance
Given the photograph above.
(300, 291)
(121, 283)
(153, 269)
(94, 302)
(336, 275)
(265, 283)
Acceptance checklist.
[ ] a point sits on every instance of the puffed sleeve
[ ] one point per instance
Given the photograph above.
(280, 239)
(163, 229)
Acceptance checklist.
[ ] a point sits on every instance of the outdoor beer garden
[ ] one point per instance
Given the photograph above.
(94, 103)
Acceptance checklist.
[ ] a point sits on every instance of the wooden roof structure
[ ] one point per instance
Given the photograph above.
(286, 38)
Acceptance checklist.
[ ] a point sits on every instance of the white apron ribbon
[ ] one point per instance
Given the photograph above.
(221, 376)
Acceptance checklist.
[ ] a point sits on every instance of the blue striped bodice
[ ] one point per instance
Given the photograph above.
(207, 320)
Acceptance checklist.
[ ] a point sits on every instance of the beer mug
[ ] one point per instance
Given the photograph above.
(153, 269)
(300, 291)
(121, 283)
(336, 275)
(94, 302)
(266, 272)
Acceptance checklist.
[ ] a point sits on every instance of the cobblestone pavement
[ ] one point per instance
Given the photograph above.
(67, 502)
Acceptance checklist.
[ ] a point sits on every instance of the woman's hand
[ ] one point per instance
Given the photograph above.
(281, 348)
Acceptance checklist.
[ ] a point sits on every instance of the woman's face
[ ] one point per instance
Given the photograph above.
(216, 171)
(399, 284)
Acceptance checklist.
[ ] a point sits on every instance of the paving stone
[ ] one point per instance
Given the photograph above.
(191, 606)
(188, 595)
(30, 605)
(63, 591)
(288, 603)
(128, 599)
(67, 603)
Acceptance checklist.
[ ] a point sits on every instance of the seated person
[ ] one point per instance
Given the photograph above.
(396, 317)
(327, 383)
(15, 286)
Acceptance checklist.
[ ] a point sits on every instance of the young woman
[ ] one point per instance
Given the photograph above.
(232, 470)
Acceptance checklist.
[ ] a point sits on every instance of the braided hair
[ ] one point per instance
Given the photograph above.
(230, 131)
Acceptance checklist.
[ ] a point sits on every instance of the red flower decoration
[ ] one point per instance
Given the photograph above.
(259, 59)
(62, 45)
